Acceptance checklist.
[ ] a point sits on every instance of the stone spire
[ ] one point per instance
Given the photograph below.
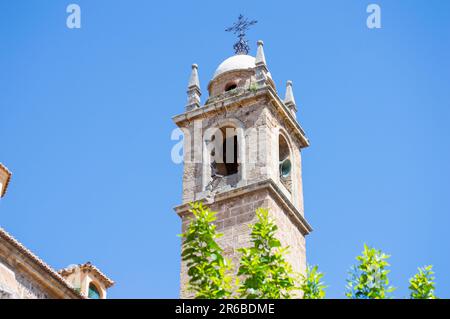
(261, 66)
(193, 92)
(289, 100)
(260, 57)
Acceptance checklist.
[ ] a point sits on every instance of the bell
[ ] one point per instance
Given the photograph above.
(285, 168)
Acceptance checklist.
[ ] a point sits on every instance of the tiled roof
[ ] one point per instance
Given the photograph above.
(4, 235)
(89, 267)
(5, 169)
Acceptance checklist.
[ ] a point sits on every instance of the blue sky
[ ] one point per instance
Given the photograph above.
(85, 124)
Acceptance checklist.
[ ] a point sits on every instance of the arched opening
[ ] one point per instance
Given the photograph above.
(224, 155)
(285, 163)
(225, 158)
(230, 86)
(93, 292)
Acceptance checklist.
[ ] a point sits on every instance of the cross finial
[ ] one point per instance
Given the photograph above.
(239, 28)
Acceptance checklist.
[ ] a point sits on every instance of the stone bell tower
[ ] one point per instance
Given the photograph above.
(242, 151)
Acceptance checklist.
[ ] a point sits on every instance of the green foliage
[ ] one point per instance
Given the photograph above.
(311, 284)
(207, 268)
(421, 286)
(369, 278)
(267, 274)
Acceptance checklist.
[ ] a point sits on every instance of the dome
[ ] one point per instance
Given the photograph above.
(236, 62)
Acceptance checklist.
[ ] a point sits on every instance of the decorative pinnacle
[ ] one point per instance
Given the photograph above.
(193, 80)
(239, 28)
(260, 57)
(193, 92)
(289, 98)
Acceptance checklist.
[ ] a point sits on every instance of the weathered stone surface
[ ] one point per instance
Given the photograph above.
(236, 229)
(254, 108)
(16, 285)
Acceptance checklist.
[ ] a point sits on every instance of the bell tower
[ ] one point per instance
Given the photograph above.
(242, 151)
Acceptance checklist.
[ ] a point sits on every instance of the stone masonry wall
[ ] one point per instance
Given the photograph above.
(252, 112)
(16, 285)
(255, 116)
(233, 220)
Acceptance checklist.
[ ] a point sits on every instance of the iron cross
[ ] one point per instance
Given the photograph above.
(239, 28)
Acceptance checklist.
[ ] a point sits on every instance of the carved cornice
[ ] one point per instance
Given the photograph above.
(275, 192)
(243, 98)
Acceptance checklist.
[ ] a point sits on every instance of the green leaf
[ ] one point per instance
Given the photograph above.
(264, 269)
(368, 278)
(422, 284)
(207, 269)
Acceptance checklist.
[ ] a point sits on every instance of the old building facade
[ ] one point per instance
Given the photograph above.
(242, 151)
(23, 275)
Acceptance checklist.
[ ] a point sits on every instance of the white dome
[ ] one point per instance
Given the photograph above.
(236, 62)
